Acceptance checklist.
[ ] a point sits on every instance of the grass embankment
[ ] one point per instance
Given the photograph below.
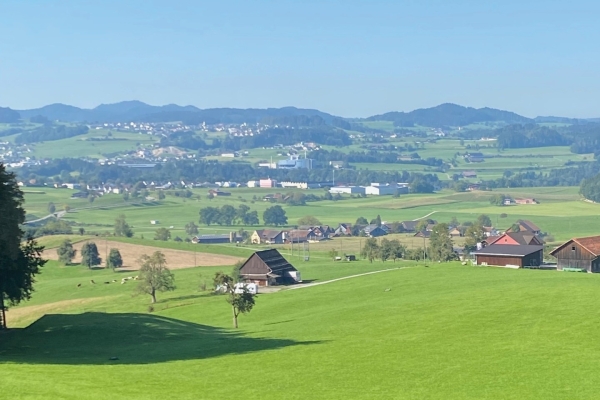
(446, 331)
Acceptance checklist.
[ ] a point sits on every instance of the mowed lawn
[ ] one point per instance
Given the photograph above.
(442, 332)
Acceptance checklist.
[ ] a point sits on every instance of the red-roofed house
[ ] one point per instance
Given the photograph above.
(516, 239)
(579, 253)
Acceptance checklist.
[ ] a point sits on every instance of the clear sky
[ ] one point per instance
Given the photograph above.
(350, 58)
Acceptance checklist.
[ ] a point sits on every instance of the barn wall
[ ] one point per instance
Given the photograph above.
(254, 265)
(499, 260)
(578, 258)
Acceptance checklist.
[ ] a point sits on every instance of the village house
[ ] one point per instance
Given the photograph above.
(408, 226)
(267, 268)
(469, 174)
(525, 225)
(343, 229)
(373, 231)
(517, 239)
(268, 236)
(581, 254)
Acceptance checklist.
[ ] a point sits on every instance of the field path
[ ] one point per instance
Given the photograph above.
(425, 216)
(345, 277)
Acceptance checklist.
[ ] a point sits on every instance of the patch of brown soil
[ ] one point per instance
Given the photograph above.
(176, 259)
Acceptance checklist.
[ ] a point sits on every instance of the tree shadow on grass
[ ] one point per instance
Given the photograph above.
(95, 338)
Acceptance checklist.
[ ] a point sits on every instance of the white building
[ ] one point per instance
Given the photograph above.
(347, 190)
(380, 190)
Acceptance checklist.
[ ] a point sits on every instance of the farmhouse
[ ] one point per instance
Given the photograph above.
(423, 234)
(374, 231)
(268, 267)
(469, 174)
(510, 256)
(579, 253)
(408, 226)
(299, 236)
(517, 239)
(525, 225)
(270, 236)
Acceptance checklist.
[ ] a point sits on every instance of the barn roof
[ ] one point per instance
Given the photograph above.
(522, 238)
(275, 261)
(503, 250)
(590, 243)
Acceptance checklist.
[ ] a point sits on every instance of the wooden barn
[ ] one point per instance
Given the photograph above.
(579, 253)
(267, 268)
(510, 256)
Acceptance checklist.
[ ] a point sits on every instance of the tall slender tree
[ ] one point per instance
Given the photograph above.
(19, 262)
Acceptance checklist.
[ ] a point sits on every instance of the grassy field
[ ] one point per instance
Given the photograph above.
(446, 331)
(561, 211)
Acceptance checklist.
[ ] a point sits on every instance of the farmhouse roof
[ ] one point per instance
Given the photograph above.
(590, 243)
(522, 238)
(216, 236)
(529, 225)
(409, 225)
(500, 250)
(268, 233)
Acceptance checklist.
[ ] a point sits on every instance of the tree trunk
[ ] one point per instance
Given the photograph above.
(235, 324)
(2, 313)
(153, 294)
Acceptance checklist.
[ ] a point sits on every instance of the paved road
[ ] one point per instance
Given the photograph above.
(302, 286)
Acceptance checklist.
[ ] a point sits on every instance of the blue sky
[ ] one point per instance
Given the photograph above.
(350, 58)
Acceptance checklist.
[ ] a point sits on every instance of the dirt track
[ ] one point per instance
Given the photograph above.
(176, 259)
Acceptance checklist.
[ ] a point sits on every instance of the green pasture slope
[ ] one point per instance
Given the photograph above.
(442, 332)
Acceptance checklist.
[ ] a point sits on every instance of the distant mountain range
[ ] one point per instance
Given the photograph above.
(135, 111)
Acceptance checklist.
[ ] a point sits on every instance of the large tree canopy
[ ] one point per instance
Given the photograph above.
(19, 263)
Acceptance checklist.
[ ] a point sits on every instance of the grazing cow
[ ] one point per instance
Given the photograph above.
(107, 283)
(114, 280)
(92, 282)
(79, 285)
(122, 282)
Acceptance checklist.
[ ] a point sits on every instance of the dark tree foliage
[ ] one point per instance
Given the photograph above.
(90, 256)
(200, 171)
(185, 139)
(50, 132)
(530, 135)
(19, 263)
(275, 215)
(590, 188)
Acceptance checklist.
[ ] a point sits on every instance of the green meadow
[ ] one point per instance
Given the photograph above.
(437, 331)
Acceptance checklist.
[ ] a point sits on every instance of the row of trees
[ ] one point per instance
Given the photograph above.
(90, 256)
(228, 215)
